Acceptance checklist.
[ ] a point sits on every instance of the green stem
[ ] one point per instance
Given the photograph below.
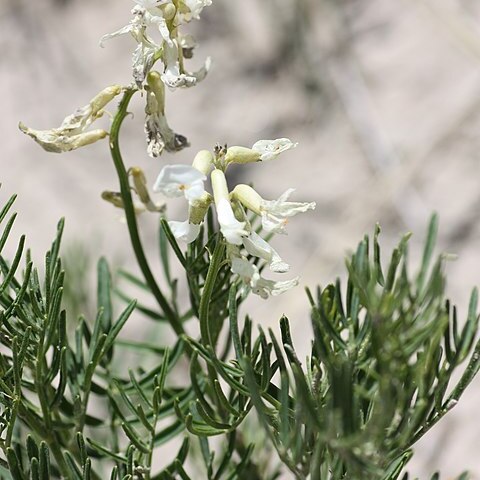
(130, 213)
(213, 269)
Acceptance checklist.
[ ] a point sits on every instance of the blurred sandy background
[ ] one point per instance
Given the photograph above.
(383, 97)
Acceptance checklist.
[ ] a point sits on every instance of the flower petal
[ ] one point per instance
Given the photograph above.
(275, 213)
(258, 247)
(231, 228)
(185, 231)
(270, 149)
(177, 180)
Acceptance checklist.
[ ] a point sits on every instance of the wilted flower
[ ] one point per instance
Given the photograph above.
(159, 134)
(145, 53)
(162, 17)
(189, 9)
(71, 134)
(173, 77)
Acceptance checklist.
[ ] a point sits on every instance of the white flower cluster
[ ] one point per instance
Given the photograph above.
(231, 206)
(161, 18)
(155, 29)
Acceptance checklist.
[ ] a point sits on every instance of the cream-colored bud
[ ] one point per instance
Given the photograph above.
(86, 138)
(115, 198)
(169, 11)
(140, 185)
(219, 186)
(103, 98)
(241, 155)
(198, 209)
(239, 213)
(156, 85)
(203, 161)
(248, 197)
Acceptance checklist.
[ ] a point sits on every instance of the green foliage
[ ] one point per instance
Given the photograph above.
(378, 376)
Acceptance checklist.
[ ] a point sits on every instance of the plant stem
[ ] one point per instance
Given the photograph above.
(130, 213)
(213, 269)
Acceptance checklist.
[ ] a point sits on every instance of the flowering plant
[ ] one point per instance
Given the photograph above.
(382, 354)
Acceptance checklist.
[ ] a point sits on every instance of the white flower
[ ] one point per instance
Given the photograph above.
(231, 228)
(185, 231)
(143, 59)
(151, 4)
(193, 9)
(188, 231)
(260, 286)
(173, 78)
(178, 180)
(258, 247)
(145, 14)
(270, 149)
(275, 213)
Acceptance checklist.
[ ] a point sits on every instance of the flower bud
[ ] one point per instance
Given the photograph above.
(169, 11)
(115, 198)
(248, 197)
(203, 161)
(140, 185)
(156, 85)
(241, 155)
(103, 98)
(219, 186)
(198, 209)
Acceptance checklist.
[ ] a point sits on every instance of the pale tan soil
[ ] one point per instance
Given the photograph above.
(384, 105)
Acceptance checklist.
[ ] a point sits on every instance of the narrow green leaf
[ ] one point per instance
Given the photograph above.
(173, 243)
(428, 251)
(44, 461)
(6, 208)
(75, 472)
(14, 465)
(34, 469)
(6, 231)
(104, 300)
(134, 438)
(13, 268)
(32, 448)
(107, 452)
